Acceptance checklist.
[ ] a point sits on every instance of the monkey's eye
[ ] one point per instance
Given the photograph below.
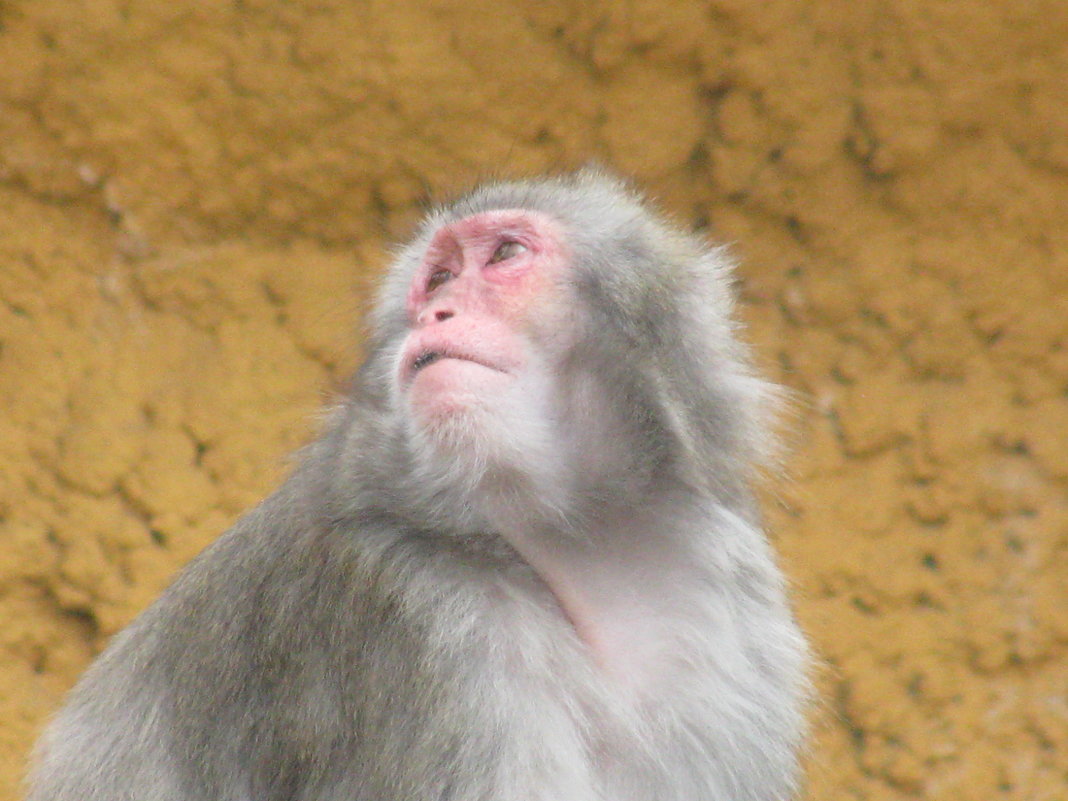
(507, 250)
(437, 278)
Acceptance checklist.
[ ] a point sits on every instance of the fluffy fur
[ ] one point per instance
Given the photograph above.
(565, 595)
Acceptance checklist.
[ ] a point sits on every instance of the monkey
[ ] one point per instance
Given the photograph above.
(523, 560)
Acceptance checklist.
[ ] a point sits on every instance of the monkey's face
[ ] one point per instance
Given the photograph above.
(486, 315)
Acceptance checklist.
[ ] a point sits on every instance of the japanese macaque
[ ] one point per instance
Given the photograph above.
(523, 562)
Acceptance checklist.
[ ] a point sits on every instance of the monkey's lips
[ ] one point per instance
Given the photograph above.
(442, 384)
(425, 358)
(452, 357)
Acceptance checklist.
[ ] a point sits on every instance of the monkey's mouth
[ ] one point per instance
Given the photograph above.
(423, 359)
(428, 357)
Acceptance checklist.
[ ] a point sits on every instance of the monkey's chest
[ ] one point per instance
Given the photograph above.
(520, 695)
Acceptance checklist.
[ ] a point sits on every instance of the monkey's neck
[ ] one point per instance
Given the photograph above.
(624, 587)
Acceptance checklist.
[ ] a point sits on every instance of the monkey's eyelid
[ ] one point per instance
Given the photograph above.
(437, 278)
(506, 250)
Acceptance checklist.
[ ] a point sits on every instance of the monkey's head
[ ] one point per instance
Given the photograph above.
(554, 340)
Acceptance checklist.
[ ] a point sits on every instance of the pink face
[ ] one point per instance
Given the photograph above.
(485, 292)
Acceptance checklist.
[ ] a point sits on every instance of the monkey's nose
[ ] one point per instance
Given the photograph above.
(431, 315)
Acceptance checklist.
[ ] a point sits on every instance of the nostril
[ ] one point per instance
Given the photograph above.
(441, 316)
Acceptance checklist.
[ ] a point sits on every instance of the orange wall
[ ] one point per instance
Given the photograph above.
(194, 193)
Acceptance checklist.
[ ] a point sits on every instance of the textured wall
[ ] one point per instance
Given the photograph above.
(193, 194)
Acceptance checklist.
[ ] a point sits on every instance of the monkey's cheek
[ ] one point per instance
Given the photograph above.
(450, 387)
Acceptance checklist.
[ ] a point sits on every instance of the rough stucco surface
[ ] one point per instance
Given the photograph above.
(194, 194)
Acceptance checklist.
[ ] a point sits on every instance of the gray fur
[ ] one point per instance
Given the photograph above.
(367, 633)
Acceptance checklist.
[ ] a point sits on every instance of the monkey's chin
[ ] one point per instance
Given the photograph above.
(451, 387)
(479, 430)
